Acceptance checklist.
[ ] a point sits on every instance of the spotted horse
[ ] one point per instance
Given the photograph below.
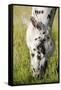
(39, 38)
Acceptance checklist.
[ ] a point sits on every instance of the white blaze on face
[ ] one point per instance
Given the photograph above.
(42, 16)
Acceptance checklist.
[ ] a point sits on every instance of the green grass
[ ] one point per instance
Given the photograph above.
(21, 58)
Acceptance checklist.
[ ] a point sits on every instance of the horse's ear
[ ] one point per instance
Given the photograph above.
(34, 22)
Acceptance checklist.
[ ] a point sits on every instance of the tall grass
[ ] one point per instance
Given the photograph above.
(21, 58)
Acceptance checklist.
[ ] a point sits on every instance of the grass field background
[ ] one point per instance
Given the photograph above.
(21, 58)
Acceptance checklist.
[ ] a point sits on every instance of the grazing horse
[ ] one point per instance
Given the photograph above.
(39, 39)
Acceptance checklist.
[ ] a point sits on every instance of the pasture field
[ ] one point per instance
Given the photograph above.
(21, 58)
